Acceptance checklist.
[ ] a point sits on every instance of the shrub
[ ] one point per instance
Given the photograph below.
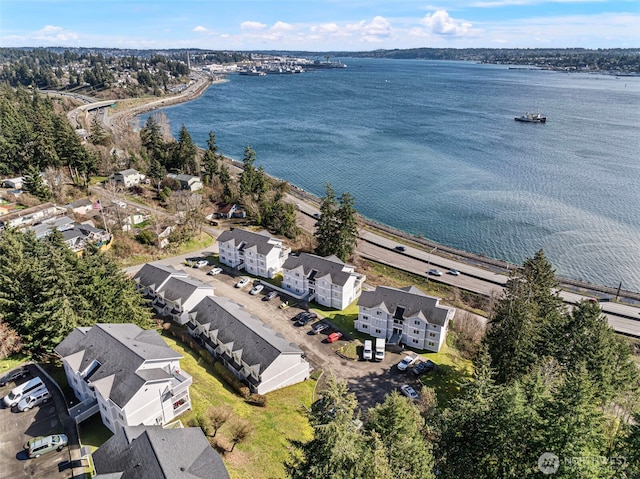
(257, 400)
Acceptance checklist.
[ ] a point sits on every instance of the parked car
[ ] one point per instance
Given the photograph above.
(214, 271)
(33, 399)
(367, 351)
(406, 362)
(242, 283)
(13, 375)
(304, 320)
(40, 445)
(454, 272)
(201, 263)
(435, 272)
(333, 337)
(22, 390)
(312, 316)
(269, 296)
(300, 315)
(423, 367)
(409, 392)
(256, 289)
(318, 328)
(400, 248)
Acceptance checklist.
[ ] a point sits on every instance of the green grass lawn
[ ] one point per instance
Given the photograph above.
(263, 454)
(93, 432)
(452, 371)
(12, 362)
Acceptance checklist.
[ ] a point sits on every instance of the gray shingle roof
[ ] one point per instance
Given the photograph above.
(260, 345)
(331, 265)
(181, 288)
(155, 275)
(410, 298)
(260, 240)
(129, 172)
(120, 349)
(151, 452)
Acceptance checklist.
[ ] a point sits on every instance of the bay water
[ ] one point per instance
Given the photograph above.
(432, 148)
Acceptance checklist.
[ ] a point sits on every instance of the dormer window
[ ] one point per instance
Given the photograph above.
(90, 370)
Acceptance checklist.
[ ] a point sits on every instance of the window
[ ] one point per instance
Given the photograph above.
(416, 322)
(431, 343)
(379, 313)
(297, 274)
(365, 318)
(432, 335)
(416, 331)
(378, 331)
(365, 326)
(415, 341)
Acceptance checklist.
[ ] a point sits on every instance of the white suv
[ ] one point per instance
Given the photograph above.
(34, 399)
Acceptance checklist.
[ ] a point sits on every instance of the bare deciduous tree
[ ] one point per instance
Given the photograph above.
(240, 430)
(10, 341)
(218, 416)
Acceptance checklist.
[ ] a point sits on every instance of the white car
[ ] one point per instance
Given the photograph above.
(242, 283)
(201, 264)
(405, 363)
(435, 272)
(409, 392)
(454, 272)
(214, 271)
(256, 289)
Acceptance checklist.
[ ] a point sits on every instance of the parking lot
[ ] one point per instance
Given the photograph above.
(370, 381)
(19, 427)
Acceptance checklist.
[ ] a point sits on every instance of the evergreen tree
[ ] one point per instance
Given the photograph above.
(336, 229)
(98, 134)
(151, 137)
(185, 155)
(399, 426)
(34, 184)
(210, 160)
(249, 181)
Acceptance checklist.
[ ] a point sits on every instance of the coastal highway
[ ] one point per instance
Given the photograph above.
(623, 318)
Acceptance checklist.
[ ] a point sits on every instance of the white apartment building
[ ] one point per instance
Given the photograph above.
(327, 281)
(405, 316)
(257, 253)
(126, 373)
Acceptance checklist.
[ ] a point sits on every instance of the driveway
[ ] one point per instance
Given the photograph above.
(19, 427)
(370, 381)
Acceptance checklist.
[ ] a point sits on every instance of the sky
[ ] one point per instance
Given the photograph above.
(320, 25)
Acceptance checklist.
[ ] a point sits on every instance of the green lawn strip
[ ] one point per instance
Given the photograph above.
(451, 372)
(263, 454)
(93, 432)
(12, 362)
(343, 319)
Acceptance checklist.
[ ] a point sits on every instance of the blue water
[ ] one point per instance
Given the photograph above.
(432, 148)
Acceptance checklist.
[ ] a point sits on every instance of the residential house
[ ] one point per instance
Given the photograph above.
(30, 216)
(258, 253)
(15, 183)
(188, 182)
(253, 352)
(406, 315)
(82, 234)
(178, 296)
(228, 211)
(81, 207)
(126, 373)
(328, 281)
(128, 178)
(152, 452)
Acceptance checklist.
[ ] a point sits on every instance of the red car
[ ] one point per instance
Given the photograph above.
(333, 337)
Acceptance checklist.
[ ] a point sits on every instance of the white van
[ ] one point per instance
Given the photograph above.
(380, 343)
(21, 391)
(34, 399)
(367, 353)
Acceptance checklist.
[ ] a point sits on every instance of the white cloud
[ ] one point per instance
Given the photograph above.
(53, 34)
(441, 23)
(326, 28)
(200, 28)
(376, 30)
(252, 26)
(282, 27)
